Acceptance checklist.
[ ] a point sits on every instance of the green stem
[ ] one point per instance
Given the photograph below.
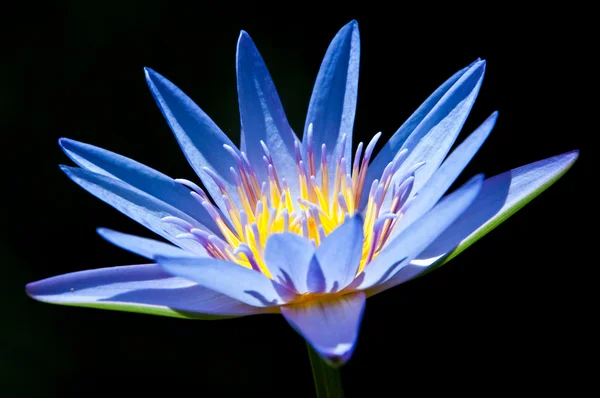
(328, 382)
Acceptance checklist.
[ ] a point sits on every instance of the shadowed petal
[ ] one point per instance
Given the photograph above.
(145, 247)
(287, 256)
(443, 178)
(433, 137)
(340, 253)
(392, 147)
(243, 284)
(262, 115)
(333, 101)
(418, 236)
(138, 288)
(143, 208)
(329, 325)
(199, 137)
(142, 177)
(500, 197)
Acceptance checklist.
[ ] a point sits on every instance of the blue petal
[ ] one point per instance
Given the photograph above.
(340, 253)
(443, 178)
(287, 256)
(329, 325)
(406, 246)
(243, 284)
(389, 150)
(142, 177)
(500, 197)
(333, 101)
(262, 116)
(143, 208)
(144, 247)
(138, 288)
(433, 137)
(199, 137)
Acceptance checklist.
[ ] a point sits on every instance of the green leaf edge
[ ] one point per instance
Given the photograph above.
(144, 309)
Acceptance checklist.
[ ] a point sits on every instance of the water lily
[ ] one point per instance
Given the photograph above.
(295, 227)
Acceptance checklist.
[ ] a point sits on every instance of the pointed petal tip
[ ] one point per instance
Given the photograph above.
(478, 179)
(338, 356)
(37, 289)
(67, 144)
(349, 27)
(574, 154)
(101, 230)
(493, 118)
(152, 75)
(475, 183)
(568, 157)
(243, 35)
(480, 64)
(245, 43)
(104, 232)
(29, 288)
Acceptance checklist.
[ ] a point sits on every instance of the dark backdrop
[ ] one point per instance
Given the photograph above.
(502, 315)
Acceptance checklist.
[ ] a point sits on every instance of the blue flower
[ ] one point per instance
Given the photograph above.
(299, 228)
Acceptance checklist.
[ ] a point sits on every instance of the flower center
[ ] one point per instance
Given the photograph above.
(268, 207)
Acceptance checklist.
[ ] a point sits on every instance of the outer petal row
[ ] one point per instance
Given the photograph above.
(140, 206)
(139, 288)
(243, 284)
(139, 176)
(499, 198)
(408, 244)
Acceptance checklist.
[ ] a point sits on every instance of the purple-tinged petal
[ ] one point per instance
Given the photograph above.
(142, 177)
(262, 115)
(445, 176)
(143, 208)
(410, 243)
(287, 257)
(243, 284)
(392, 147)
(333, 101)
(144, 247)
(433, 137)
(138, 288)
(330, 325)
(340, 253)
(199, 137)
(500, 197)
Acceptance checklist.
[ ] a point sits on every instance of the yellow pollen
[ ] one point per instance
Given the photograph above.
(323, 204)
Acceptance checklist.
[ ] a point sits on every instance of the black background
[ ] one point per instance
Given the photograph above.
(504, 315)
